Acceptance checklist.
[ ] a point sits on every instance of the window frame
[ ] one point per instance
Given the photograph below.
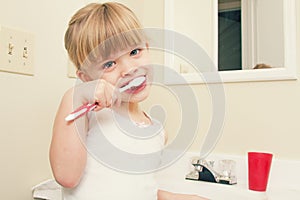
(288, 72)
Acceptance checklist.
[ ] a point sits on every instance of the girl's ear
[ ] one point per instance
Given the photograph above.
(83, 76)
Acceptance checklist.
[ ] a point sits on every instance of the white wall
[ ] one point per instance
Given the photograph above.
(28, 103)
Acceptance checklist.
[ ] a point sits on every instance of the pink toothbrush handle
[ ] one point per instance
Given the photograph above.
(80, 111)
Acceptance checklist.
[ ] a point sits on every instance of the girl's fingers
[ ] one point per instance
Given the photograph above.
(109, 91)
(116, 98)
(99, 104)
(105, 95)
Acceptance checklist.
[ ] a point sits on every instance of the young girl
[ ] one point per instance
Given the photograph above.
(100, 155)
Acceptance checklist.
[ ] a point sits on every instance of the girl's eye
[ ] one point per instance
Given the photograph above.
(108, 64)
(135, 52)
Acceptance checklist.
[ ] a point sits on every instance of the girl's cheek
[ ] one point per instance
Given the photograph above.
(114, 81)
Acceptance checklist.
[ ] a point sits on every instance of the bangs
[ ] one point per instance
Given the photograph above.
(115, 28)
(114, 44)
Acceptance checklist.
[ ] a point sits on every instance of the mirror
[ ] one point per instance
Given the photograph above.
(240, 36)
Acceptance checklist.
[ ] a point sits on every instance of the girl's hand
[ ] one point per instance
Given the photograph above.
(105, 95)
(165, 195)
(101, 92)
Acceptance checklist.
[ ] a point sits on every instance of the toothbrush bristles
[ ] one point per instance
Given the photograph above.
(133, 84)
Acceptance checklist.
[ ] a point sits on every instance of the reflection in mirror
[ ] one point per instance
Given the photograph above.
(263, 32)
(241, 37)
(255, 37)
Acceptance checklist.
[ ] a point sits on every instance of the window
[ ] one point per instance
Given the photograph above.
(267, 35)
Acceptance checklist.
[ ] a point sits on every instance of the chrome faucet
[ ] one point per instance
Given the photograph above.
(205, 171)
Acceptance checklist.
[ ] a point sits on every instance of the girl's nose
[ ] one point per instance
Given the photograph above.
(129, 73)
(128, 69)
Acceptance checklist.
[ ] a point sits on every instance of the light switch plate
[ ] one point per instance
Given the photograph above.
(16, 51)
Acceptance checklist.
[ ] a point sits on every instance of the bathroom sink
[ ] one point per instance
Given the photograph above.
(172, 179)
(220, 192)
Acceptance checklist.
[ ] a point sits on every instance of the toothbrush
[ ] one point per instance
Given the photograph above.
(80, 111)
(134, 83)
(88, 107)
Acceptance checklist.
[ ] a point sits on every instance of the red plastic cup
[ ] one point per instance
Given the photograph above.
(259, 165)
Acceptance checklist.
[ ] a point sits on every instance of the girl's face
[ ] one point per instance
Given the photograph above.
(123, 67)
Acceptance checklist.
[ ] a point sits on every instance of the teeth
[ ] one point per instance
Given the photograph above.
(134, 87)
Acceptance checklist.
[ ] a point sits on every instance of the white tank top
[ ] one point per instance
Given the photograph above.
(121, 159)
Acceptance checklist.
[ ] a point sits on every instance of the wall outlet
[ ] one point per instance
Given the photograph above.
(16, 51)
(184, 69)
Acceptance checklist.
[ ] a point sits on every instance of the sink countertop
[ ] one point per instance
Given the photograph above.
(282, 185)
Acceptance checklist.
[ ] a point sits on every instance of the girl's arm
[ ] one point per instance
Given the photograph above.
(164, 195)
(67, 151)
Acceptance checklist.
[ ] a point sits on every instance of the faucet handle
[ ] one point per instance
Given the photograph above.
(203, 162)
(195, 160)
(211, 163)
(227, 168)
(197, 163)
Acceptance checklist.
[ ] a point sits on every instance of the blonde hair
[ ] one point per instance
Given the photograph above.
(97, 30)
(261, 66)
